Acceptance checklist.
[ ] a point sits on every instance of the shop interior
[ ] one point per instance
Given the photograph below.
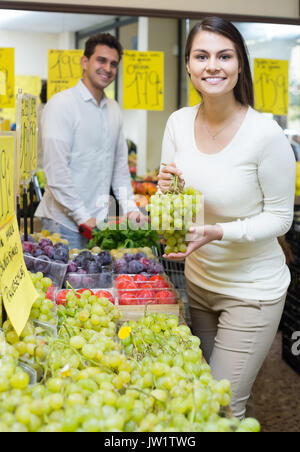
(33, 33)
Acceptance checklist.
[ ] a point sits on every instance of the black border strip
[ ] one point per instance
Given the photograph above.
(121, 11)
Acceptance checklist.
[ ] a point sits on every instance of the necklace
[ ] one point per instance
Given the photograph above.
(214, 135)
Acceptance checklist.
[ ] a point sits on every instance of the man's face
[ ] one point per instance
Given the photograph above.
(101, 68)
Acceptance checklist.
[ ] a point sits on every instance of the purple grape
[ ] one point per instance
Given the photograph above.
(38, 252)
(74, 280)
(42, 264)
(93, 268)
(72, 267)
(140, 255)
(61, 245)
(105, 280)
(146, 263)
(85, 263)
(28, 247)
(81, 271)
(29, 261)
(87, 282)
(105, 257)
(156, 268)
(128, 257)
(61, 254)
(45, 242)
(120, 266)
(49, 251)
(135, 267)
(29, 238)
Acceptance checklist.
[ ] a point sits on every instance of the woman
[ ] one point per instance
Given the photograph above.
(241, 161)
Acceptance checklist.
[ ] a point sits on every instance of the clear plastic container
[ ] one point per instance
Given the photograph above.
(103, 280)
(54, 270)
(146, 296)
(31, 372)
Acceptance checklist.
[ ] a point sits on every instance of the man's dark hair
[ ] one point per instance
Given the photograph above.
(105, 39)
(43, 93)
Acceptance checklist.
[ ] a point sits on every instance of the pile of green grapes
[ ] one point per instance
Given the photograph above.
(150, 377)
(87, 311)
(172, 214)
(43, 309)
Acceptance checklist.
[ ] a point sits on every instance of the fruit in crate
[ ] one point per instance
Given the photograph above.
(137, 263)
(173, 213)
(46, 258)
(90, 270)
(54, 238)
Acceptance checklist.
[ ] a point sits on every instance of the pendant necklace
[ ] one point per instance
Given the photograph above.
(214, 135)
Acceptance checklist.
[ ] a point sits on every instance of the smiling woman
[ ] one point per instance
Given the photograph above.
(242, 163)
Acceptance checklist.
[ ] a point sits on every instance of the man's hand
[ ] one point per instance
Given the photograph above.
(199, 236)
(91, 223)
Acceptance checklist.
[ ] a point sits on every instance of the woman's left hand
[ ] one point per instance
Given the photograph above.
(197, 237)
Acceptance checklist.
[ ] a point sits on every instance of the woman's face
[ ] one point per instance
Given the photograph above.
(213, 64)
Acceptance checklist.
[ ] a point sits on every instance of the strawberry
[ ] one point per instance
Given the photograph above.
(165, 297)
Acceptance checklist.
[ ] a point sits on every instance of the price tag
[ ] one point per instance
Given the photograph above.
(271, 84)
(7, 195)
(194, 96)
(24, 141)
(17, 289)
(33, 132)
(143, 80)
(64, 70)
(7, 77)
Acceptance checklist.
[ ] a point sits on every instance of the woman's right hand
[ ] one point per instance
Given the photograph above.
(165, 177)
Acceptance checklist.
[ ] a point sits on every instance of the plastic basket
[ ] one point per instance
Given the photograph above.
(174, 270)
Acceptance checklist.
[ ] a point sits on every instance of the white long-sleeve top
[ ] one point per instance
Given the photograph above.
(85, 153)
(249, 190)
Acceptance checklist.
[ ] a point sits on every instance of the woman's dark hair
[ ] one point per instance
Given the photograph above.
(105, 39)
(243, 90)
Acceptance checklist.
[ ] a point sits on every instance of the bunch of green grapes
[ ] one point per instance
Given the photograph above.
(31, 345)
(43, 308)
(90, 312)
(172, 215)
(168, 365)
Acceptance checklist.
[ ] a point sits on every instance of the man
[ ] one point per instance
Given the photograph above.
(85, 152)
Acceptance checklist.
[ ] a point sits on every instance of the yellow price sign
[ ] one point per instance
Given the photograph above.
(24, 140)
(143, 80)
(7, 77)
(33, 132)
(271, 84)
(17, 289)
(7, 195)
(64, 70)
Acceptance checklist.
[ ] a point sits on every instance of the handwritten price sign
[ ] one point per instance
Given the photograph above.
(24, 140)
(33, 132)
(271, 83)
(143, 80)
(7, 77)
(16, 287)
(64, 70)
(7, 198)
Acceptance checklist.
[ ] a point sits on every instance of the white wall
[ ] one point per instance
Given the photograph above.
(31, 50)
(276, 8)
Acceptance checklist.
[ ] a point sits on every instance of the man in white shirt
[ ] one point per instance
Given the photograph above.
(85, 152)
